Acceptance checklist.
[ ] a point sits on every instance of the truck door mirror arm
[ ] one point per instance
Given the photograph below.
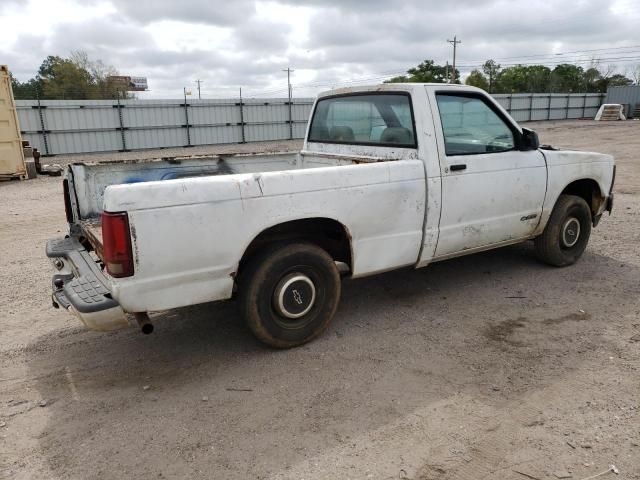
(529, 140)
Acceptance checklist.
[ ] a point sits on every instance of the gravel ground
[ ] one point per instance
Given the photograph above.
(491, 366)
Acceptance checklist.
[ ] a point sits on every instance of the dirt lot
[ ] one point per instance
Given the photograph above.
(474, 368)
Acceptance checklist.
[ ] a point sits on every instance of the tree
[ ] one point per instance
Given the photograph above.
(429, 72)
(25, 91)
(426, 72)
(399, 79)
(567, 78)
(591, 78)
(523, 79)
(635, 74)
(564, 78)
(76, 77)
(62, 78)
(608, 78)
(491, 69)
(618, 80)
(477, 79)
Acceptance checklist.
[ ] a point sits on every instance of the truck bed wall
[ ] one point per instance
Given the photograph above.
(89, 180)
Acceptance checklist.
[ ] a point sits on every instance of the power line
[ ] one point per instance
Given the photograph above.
(558, 59)
(566, 53)
(574, 60)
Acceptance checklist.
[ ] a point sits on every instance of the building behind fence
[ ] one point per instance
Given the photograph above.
(84, 126)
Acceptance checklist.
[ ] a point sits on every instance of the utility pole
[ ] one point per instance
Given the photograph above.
(289, 71)
(242, 118)
(199, 82)
(455, 43)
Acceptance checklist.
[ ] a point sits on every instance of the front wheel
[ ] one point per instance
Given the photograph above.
(288, 294)
(566, 235)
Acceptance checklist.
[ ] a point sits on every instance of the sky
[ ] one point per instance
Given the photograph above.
(328, 43)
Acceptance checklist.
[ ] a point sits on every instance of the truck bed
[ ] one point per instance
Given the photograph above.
(89, 180)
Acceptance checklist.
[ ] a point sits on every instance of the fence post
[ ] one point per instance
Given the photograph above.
(531, 107)
(290, 119)
(122, 136)
(186, 118)
(549, 108)
(42, 126)
(510, 102)
(566, 117)
(242, 118)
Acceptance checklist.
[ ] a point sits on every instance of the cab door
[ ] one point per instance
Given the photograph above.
(492, 190)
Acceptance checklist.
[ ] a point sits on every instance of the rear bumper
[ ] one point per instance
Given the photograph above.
(80, 287)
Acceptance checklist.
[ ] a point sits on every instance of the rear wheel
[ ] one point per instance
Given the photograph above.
(566, 235)
(288, 294)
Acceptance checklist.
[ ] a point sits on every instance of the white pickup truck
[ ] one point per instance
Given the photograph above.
(390, 176)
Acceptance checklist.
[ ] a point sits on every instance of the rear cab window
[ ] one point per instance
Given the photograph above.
(381, 119)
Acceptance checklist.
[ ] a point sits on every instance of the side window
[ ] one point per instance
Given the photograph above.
(470, 126)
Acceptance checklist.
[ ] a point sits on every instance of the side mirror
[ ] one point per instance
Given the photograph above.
(529, 140)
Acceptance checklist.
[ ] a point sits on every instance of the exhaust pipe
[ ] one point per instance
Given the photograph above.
(144, 322)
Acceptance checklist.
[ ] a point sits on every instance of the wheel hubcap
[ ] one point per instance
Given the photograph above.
(570, 232)
(294, 295)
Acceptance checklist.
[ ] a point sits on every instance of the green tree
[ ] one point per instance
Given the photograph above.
(62, 78)
(567, 78)
(591, 78)
(399, 79)
(477, 79)
(618, 80)
(523, 79)
(76, 77)
(426, 72)
(491, 69)
(25, 90)
(429, 72)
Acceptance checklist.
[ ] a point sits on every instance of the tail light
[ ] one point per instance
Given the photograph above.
(116, 244)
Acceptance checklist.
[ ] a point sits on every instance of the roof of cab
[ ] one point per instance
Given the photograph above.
(408, 87)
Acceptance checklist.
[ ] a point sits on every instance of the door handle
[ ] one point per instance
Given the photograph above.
(458, 167)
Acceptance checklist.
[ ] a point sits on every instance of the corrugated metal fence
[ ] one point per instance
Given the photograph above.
(83, 126)
(529, 107)
(628, 96)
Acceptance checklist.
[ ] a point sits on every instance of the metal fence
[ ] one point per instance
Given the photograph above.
(84, 126)
(529, 107)
(629, 96)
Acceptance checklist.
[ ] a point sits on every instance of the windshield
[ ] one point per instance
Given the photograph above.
(372, 119)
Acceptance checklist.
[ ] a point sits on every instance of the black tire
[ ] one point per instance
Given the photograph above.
(566, 235)
(285, 280)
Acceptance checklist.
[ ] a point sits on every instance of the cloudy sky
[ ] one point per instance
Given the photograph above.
(246, 43)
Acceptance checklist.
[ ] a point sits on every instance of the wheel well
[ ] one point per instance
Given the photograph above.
(326, 233)
(589, 190)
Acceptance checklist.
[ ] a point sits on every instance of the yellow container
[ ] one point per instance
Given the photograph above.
(11, 154)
